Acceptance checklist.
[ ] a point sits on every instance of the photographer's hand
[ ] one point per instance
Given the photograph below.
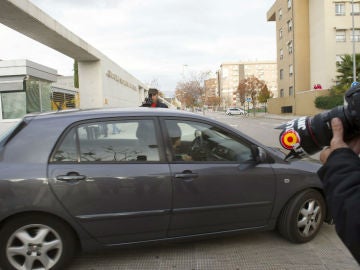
(337, 141)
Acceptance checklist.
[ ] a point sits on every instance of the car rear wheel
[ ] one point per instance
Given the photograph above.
(36, 242)
(302, 217)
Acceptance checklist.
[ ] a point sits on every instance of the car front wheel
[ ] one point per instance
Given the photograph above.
(35, 242)
(302, 217)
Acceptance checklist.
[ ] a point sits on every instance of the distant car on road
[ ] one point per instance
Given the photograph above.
(67, 181)
(235, 111)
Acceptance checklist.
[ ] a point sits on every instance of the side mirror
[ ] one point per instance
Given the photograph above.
(259, 154)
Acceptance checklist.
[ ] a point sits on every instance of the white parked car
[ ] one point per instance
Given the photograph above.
(235, 111)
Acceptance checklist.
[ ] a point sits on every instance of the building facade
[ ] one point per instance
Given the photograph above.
(231, 73)
(27, 87)
(312, 35)
(211, 87)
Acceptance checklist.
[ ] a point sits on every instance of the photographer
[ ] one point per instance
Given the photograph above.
(153, 99)
(340, 175)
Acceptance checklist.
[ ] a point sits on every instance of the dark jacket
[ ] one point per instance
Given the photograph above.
(158, 105)
(341, 178)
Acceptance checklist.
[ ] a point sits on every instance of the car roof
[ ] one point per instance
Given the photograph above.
(111, 112)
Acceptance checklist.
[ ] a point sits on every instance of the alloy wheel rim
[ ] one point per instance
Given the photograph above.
(34, 247)
(309, 218)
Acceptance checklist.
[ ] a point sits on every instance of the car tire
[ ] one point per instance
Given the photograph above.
(36, 242)
(302, 217)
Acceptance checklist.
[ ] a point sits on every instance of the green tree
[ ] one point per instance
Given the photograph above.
(345, 70)
(264, 94)
(344, 80)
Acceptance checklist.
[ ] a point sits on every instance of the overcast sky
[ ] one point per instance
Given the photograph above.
(155, 40)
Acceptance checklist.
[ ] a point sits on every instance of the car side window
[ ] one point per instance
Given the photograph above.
(110, 141)
(196, 141)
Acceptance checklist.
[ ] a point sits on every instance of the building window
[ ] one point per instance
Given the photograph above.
(281, 54)
(281, 74)
(280, 14)
(286, 109)
(289, 3)
(13, 104)
(291, 70)
(355, 36)
(340, 9)
(290, 47)
(291, 91)
(289, 24)
(356, 10)
(280, 33)
(281, 92)
(340, 35)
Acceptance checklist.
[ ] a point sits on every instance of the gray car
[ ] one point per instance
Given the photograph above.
(86, 179)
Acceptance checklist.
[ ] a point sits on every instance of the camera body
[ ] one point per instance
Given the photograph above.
(147, 101)
(308, 135)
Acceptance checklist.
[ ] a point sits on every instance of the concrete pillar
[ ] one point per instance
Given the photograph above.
(90, 84)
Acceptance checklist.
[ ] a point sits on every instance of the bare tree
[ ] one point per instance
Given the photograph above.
(154, 83)
(191, 92)
(213, 101)
(242, 88)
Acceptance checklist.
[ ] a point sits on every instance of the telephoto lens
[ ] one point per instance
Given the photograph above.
(308, 135)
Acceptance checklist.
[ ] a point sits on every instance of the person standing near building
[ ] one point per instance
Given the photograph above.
(153, 100)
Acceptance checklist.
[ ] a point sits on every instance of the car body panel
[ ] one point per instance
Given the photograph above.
(221, 197)
(120, 203)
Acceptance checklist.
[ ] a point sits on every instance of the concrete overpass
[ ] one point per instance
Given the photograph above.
(102, 82)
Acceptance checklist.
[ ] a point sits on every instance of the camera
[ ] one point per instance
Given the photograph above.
(148, 101)
(308, 135)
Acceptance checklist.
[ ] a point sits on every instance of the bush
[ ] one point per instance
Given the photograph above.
(329, 102)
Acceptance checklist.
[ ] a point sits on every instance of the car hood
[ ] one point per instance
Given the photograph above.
(305, 163)
(309, 165)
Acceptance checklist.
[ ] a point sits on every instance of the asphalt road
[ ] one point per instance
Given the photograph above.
(254, 250)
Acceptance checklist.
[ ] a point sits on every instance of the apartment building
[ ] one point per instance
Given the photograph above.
(231, 73)
(211, 87)
(311, 36)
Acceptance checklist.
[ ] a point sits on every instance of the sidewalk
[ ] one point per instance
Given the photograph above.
(285, 117)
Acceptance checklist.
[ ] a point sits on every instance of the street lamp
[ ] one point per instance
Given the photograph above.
(183, 70)
(353, 34)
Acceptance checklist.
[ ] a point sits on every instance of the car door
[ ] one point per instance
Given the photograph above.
(110, 175)
(220, 187)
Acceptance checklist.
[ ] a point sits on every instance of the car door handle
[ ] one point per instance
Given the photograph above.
(70, 178)
(186, 175)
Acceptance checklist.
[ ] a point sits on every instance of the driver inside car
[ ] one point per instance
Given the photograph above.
(175, 137)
